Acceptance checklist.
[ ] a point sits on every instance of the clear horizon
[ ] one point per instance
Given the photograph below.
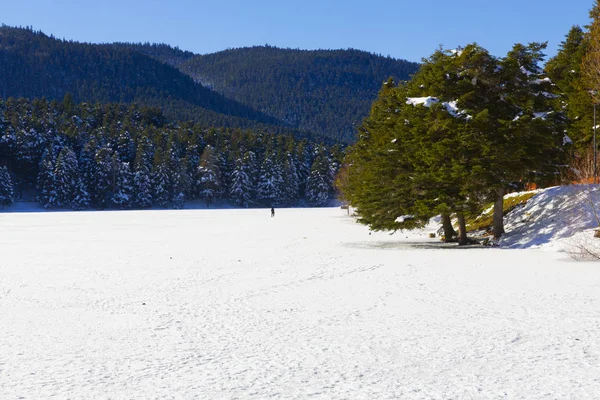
(407, 31)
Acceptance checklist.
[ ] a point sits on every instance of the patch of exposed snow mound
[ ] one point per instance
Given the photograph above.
(552, 217)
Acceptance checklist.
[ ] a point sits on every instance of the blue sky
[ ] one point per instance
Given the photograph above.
(402, 29)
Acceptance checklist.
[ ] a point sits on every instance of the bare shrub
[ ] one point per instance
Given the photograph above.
(585, 248)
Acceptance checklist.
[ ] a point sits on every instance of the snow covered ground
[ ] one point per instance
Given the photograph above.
(233, 304)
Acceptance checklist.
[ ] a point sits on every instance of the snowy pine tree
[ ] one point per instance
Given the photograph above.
(291, 189)
(123, 196)
(81, 197)
(318, 185)
(125, 146)
(104, 174)
(46, 192)
(142, 181)
(182, 183)
(6, 188)
(86, 170)
(189, 165)
(142, 186)
(178, 200)
(270, 182)
(303, 160)
(180, 180)
(209, 176)
(161, 184)
(240, 191)
(66, 173)
(223, 169)
(252, 169)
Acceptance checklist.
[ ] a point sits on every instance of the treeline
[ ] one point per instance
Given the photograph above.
(81, 156)
(159, 51)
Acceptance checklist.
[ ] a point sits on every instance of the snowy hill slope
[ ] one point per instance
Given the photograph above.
(553, 218)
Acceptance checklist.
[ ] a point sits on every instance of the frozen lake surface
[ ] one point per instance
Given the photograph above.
(220, 304)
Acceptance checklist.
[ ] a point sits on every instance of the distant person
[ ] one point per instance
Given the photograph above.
(272, 212)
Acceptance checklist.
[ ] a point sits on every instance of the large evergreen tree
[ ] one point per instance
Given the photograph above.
(465, 129)
(270, 181)
(590, 66)
(565, 72)
(240, 191)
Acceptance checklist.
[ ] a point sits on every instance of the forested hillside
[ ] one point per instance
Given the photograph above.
(35, 65)
(68, 155)
(327, 92)
(316, 94)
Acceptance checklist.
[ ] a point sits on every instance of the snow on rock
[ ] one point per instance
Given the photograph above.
(227, 303)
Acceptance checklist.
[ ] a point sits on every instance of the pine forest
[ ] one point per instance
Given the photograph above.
(79, 156)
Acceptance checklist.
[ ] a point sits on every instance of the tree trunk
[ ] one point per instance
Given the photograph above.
(449, 232)
(499, 213)
(462, 230)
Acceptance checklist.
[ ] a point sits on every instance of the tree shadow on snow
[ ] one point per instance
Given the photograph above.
(412, 245)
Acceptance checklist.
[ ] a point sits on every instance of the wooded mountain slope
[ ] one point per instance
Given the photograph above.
(319, 94)
(35, 65)
(327, 92)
